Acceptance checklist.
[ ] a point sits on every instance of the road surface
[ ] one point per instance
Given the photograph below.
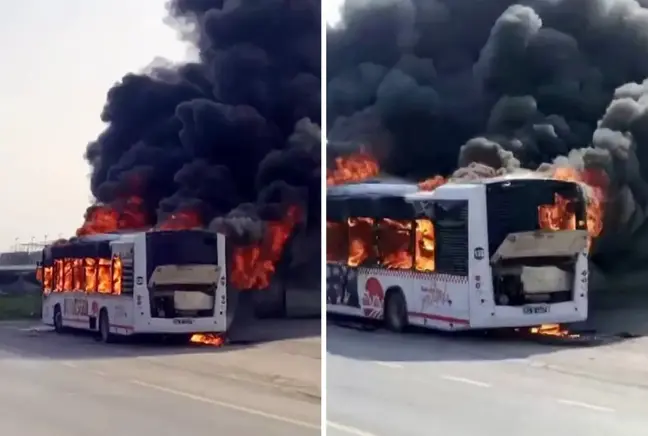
(382, 384)
(72, 386)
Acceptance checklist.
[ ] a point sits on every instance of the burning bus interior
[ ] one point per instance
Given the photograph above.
(82, 267)
(374, 227)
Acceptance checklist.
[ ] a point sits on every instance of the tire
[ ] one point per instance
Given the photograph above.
(395, 312)
(104, 328)
(58, 320)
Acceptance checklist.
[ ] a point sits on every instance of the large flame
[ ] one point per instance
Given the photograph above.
(353, 168)
(254, 264)
(560, 216)
(128, 215)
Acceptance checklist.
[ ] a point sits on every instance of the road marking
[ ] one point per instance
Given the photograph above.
(230, 406)
(389, 365)
(466, 381)
(586, 406)
(346, 429)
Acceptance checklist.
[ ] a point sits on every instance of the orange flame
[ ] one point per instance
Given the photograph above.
(432, 183)
(361, 240)
(89, 274)
(100, 218)
(553, 330)
(208, 339)
(559, 216)
(254, 265)
(425, 245)
(391, 247)
(353, 168)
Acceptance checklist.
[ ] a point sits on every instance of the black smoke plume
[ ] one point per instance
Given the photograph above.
(235, 132)
(433, 85)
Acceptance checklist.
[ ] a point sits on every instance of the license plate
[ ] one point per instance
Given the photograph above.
(535, 310)
(182, 321)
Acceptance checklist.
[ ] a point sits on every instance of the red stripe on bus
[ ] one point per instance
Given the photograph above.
(439, 318)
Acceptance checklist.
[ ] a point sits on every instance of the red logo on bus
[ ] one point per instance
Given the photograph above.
(95, 307)
(373, 297)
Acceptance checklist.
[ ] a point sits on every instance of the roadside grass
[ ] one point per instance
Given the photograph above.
(20, 306)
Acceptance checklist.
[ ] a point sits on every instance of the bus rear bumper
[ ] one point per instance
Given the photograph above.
(531, 315)
(180, 325)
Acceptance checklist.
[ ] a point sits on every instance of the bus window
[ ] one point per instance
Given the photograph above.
(58, 275)
(362, 247)
(48, 279)
(451, 236)
(104, 285)
(68, 283)
(90, 276)
(336, 242)
(77, 274)
(394, 244)
(425, 246)
(117, 275)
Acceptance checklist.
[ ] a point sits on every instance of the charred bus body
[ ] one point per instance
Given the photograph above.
(506, 252)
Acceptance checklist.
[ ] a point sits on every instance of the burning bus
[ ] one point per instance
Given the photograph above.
(158, 282)
(489, 253)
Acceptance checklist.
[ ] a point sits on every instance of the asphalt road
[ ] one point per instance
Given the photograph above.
(71, 386)
(381, 384)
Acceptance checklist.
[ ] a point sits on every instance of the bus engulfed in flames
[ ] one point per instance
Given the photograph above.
(395, 235)
(394, 238)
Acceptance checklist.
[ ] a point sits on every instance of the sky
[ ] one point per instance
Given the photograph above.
(58, 59)
(331, 10)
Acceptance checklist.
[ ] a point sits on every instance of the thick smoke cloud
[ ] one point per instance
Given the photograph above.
(478, 88)
(235, 131)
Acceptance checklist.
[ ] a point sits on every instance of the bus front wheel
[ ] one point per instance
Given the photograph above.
(58, 319)
(395, 311)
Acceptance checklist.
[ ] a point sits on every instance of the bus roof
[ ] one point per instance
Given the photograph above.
(369, 200)
(377, 189)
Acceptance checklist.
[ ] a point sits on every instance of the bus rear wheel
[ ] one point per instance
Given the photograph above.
(104, 328)
(395, 311)
(58, 319)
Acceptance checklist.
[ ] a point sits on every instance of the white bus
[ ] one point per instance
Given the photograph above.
(160, 282)
(464, 256)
